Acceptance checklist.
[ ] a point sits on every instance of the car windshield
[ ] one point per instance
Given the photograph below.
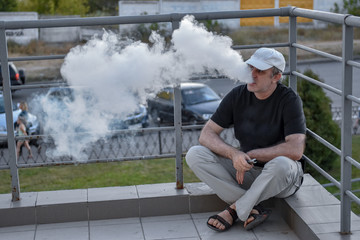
(199, 95)
(2, 105)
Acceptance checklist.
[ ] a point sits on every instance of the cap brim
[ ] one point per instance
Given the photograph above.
(258, 63)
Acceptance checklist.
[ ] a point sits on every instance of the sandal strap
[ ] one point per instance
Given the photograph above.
(232, 213)
(221, 220)
(261, 209)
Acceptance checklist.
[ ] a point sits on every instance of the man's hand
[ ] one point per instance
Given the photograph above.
(241, 165)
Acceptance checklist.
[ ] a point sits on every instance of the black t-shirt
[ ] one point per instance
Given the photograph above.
(261, 123)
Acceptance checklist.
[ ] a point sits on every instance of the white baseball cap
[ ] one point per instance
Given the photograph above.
(265, 58)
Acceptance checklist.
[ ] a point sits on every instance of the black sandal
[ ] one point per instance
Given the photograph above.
(227, 225)
(258, 218)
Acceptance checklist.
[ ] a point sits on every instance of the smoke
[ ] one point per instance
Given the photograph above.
(111, 76)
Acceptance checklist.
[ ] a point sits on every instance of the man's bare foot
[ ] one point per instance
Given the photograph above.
(251, 218)
(223, 220)
(257, 216)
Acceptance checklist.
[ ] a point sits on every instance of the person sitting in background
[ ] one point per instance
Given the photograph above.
(21, 131)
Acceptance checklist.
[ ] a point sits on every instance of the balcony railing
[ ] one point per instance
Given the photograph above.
(179, 138)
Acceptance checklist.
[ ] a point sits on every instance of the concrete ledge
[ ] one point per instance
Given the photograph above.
(314, 213)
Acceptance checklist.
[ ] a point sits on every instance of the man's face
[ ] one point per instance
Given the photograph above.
(263, 81)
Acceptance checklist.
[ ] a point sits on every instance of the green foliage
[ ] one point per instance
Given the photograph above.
(107, 7)
(215, 26)
(52, 7)
(317, 110)
(350, 7)
(8, 5)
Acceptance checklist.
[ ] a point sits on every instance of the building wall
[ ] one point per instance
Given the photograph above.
(21, 36)
(59, 34)
(128, 7)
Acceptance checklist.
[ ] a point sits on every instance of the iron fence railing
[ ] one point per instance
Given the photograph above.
(180, 138)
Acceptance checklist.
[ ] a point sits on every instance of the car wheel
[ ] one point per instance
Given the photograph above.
(22, 75)
(154, 113)
(192, 121)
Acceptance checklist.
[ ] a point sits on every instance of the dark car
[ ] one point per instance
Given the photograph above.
(198, 104)
(17, 77)
(138, 119)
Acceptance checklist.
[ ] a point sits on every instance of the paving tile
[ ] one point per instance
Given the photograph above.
(159, 190)
(5, 201)
(235, 233)
(50, 226)
(309, 180)
(283, 235)
(26, 235)
(131, 231)
(112, 193)
(169, 229)
(27, 199)
(17, 229)
(166, 218)
(275, 223)
(332, 227)
(313, 195)
(70, 233)
(114, 221)
(61, 197)
(336, 236)
(320, 214)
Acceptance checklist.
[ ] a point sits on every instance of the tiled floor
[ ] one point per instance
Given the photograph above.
(186, 226)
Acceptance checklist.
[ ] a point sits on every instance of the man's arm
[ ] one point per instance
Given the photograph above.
(210, 138)
(293, 148)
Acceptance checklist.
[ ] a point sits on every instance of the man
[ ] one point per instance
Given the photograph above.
(269, 123)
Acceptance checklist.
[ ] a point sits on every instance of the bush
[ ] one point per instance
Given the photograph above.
(317, 110)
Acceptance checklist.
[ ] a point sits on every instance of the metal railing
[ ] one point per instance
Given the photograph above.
(348, 23)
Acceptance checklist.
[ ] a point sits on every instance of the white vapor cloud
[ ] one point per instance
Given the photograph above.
(119, 74)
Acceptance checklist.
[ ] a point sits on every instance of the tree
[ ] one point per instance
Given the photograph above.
(349, 6)
(104, 6)
(51, 7)
(8, 5)
(317, 110)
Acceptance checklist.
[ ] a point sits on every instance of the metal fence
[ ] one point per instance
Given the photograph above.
(110, 150)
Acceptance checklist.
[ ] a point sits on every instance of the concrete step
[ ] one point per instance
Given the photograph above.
(312, 213)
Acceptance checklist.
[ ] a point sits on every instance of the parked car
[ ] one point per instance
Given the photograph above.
(136, 120)
(33, 126)
(17, 77)
(198, 104)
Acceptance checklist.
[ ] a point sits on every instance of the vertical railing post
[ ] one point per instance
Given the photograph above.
(15, 185)
(292, 52)
(178, 125)
(346, 127)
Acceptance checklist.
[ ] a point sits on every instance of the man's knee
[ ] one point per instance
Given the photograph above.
(192, 155)
(197, 154)
(280, 165)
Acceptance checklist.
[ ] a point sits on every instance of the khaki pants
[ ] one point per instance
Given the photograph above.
(280, 177)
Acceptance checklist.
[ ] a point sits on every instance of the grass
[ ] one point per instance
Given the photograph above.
(336, 173)
(96, 175)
